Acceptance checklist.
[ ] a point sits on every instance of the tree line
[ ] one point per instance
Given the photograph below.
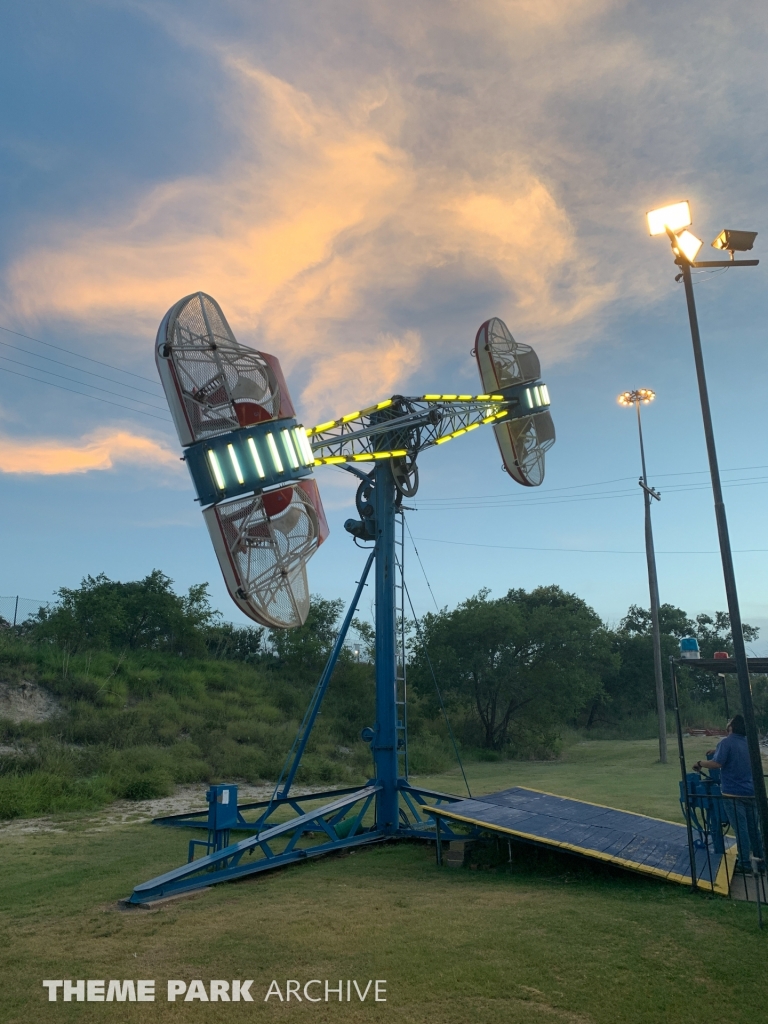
(512, 671)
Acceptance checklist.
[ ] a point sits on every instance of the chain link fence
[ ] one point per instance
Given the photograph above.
(16, 609)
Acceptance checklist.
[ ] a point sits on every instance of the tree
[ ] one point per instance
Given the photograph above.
(306, 648)
(229, 642)
(145, 614)
(630, 690)
(523, 664)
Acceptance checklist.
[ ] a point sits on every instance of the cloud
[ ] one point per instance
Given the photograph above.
(390, 160)
(361, 377)
(98, 451)
(313, 236)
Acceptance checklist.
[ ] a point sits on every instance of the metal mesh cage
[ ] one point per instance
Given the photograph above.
(531, 437)
(513, 362)
(214, 372)
(268, 540)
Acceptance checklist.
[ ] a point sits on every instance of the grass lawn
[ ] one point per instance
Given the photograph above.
(549, 940)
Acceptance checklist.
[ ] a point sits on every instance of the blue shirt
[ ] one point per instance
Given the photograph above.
(732, 755)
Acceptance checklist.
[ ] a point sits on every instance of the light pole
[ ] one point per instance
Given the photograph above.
(644, 396)
(673, 221)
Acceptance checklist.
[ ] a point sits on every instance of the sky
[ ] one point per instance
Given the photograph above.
(360, 185)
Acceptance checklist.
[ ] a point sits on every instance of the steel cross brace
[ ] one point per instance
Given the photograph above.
(234, 860)
(227, 864)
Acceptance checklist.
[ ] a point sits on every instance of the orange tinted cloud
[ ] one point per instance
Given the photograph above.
(323, 219)
(360, 377)
(94, 452)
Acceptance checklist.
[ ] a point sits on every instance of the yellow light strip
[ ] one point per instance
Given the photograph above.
(376, 408)
(349, 417)
(256, 459)
(321, 428)
(462, 398)
(333, 460)
(235, 464)
(274, 453)
(218, 475)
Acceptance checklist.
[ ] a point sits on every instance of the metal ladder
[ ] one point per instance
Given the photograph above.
(401, 689)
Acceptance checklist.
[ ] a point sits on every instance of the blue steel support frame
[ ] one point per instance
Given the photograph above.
(385, 728)
(401, 810)
(305, 730)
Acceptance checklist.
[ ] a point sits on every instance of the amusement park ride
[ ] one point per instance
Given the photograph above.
(252, 467)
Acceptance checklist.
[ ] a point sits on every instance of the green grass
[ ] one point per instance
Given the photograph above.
(618, 773)
(548, 939)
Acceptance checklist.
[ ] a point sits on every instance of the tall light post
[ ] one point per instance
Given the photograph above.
(673, 221)
(643, 396)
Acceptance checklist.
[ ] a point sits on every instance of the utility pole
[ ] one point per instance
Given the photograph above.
(645, 395)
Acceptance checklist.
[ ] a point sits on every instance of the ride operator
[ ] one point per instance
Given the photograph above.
(738, 790)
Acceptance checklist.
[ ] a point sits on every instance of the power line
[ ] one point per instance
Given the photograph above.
(597, 483)
(561, 499)
(50, 383)
(70, 352)
(82, 383)
(16, 348)
(583, 551)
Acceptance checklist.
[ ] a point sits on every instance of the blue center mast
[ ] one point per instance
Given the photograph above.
(287, 829)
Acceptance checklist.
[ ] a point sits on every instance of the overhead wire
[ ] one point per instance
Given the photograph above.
(600, 483)
(82, 383)
(77, 369)
(106, 401)
(583, 551)
(70, 352)
(560, 499)
(157, 414)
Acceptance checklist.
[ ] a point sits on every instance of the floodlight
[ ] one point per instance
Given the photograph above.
(685, 249)
(644, 395)
(688, 244)
(735, 241)
(674, 217)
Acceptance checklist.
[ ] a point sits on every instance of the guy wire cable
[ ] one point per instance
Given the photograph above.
(437, 688)
(429, 586)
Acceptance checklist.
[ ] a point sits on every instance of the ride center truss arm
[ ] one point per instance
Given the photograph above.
(404, 426)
